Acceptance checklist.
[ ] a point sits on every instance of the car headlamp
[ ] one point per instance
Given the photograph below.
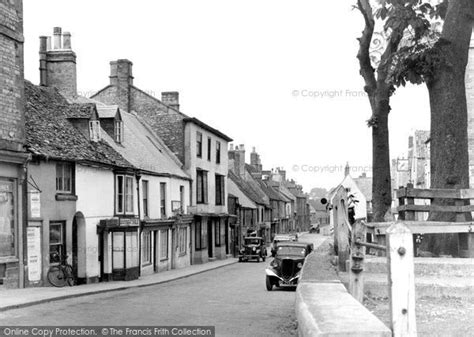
(299, 265)
(253, 249)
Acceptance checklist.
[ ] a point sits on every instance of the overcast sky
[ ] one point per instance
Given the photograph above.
(280, 76)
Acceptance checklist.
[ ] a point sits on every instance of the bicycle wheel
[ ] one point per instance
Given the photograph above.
(56, 276)
(71, 280)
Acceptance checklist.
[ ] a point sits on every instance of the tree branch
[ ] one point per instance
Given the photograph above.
(366, 69)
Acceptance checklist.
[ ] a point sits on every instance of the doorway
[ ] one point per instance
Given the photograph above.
(209, 238)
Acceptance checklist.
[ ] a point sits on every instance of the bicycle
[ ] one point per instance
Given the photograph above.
(61, 274)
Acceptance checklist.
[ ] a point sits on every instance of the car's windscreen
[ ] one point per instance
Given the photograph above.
(288, 250)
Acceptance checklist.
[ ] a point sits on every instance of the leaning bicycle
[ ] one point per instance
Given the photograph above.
(61, 274)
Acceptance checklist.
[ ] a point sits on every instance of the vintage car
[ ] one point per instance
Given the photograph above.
(314, 228)
(282, 238)
(284, 270)
(253, 248)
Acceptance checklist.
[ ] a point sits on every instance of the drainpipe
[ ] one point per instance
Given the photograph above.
(23, 277)
(138, 177)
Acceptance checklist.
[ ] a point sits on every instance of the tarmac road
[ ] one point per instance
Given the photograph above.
(232, 298)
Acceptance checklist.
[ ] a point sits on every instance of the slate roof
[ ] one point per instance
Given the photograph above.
(49, 133)
(144, 149)
(250, 188)
(141, 146)
(236, 191)
(272, 193)
(281, 188)
(82, 110)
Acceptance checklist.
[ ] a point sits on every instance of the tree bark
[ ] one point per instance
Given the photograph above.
(449, 140)
(379, 93)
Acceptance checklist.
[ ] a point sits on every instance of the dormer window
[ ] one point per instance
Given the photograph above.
(94, 130)
(118, 132)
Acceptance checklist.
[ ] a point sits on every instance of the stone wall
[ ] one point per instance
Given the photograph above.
(12, 120)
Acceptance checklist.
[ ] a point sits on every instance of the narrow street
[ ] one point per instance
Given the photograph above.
(232, 298)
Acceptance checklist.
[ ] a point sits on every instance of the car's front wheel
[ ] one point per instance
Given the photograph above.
(268, 283)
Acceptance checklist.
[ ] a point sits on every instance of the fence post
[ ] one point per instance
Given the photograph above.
(401, 280)
(356, 280)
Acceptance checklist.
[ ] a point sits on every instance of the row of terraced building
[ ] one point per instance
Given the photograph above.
(122, 183)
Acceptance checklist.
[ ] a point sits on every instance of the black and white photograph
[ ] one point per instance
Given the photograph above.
(265, 168)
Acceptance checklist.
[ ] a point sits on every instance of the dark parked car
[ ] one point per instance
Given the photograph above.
(253, 248)
(314, 229)
(284, 270)
(282, 238)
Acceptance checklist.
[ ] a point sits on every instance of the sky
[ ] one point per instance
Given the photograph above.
(280, 76)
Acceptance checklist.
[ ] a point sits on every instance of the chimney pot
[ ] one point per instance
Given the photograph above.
(242, 147)
(43, 44)
(231, 147)
(253, 149)
(67, 40)
(57, 34)
(48, 43)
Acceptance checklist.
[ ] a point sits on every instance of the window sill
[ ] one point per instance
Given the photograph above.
(163, 260)
(146, 264)
(182, 254)
(66, 197)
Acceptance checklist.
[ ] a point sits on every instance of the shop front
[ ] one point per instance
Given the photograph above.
(119, 249)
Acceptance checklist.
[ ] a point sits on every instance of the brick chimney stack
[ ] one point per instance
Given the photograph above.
(237, 156)
(121, 77)
(58, 65)
(171, 99)
(255, 160)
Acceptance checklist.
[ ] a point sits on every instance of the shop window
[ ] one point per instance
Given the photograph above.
(7, 219)
(147, 248)
(163, 244)
(57, 246)
(64, 181)
(220, 187)
(201, 188)
(124, 194)
(124, 250)
(182, 240)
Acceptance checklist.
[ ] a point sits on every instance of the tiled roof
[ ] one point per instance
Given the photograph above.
(144, 149)
(82, 110)
(235, 190)
(273, 193)
(50, 134)
(250, 188)
(280, 187)
(141, 146)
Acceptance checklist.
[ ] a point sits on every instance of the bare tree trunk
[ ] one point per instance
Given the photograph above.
(449, 141)
(378, 92)
(381, 183)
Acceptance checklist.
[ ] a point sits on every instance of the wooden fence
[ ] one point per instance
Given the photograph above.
(396, 240)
